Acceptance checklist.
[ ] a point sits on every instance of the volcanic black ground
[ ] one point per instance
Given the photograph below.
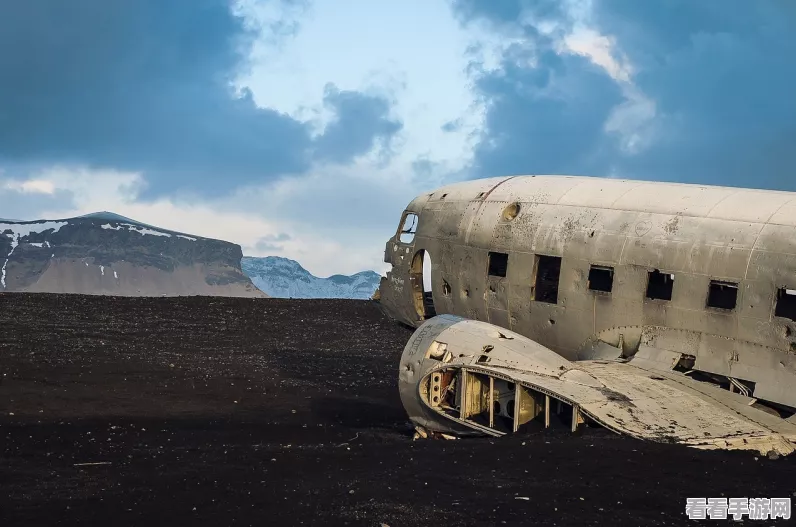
(211, 411)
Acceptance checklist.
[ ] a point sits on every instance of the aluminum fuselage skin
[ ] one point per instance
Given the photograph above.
(695, 233)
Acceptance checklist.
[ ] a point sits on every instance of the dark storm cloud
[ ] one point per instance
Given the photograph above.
(452, 126)
(725, 71)
(534, 125)
(269, 240)
(360, 121)
(144, 85)
(721, 74)
(273, 243)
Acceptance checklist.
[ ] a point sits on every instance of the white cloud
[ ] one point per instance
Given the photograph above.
(633, 121)
(31, 186)
(601, 50)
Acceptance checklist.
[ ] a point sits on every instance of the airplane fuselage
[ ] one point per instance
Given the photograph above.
(704, 273)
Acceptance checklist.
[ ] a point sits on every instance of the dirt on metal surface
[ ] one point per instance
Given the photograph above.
(220, 411)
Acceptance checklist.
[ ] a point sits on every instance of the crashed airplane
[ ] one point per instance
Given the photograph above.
(660, 311)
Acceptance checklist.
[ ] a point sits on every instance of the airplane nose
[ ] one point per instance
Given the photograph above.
(417, 359)
(423, 353)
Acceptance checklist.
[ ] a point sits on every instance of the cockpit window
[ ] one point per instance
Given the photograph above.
(408, 227)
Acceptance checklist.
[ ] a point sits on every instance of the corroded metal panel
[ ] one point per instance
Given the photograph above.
(602, 193)
(668, 256)
(686, 200)
(775, 267)
(694, 303)
(497, 293)
(466, 190)
(447, 266)
(549, 236)
(499, 317)
(786, 214)
(596, 247)
(446, 216)
(697, 320)
(758, 299)
(502, 237)
(573, 285)
(615, 312)
(725, 263)
(630, 282)
(473, 273)
(525, 225)
(469, 212)
(782, 332)
(709, 231)
(776, 239)
(482, 228)
(749, 205)
(535, 189)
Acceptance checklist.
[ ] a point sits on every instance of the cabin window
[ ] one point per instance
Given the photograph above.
(548, 271)
(660, 285)
(722, 295)
(408, 228)
(601, 278)
(786, 304)
(498, 264)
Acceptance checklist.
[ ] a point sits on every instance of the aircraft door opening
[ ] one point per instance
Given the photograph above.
(420, 275)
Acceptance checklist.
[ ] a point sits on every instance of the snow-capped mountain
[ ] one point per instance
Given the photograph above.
(104, 253)
(284, 278)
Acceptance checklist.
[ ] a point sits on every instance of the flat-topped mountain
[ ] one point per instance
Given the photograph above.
(284, 278)
(104, 253)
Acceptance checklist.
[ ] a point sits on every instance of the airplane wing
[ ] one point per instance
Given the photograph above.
(461, 376)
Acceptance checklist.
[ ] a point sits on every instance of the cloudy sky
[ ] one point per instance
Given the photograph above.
(302, 128)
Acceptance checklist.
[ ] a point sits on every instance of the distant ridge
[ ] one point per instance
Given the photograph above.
(285, 278)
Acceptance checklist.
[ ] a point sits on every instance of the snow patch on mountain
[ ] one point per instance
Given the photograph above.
(22, 230)
(141, 230)
(284, 278)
